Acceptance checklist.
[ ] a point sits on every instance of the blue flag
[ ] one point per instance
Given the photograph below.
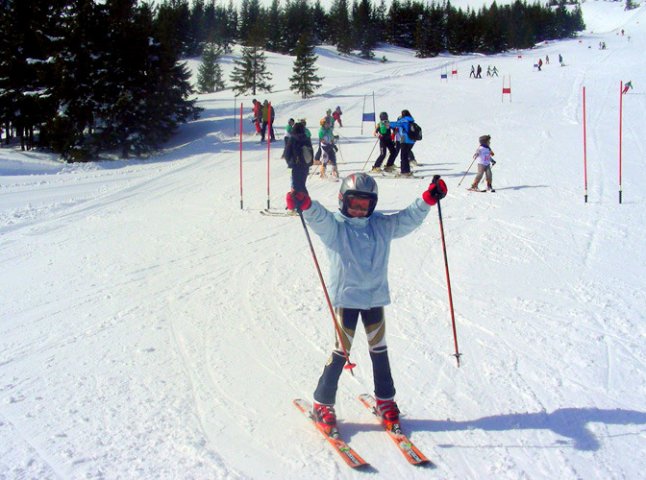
(369, 117)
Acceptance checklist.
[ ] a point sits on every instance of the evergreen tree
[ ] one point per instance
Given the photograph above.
(209, 78)
(250, 72)
(364, 29)
(297, 19)
(340, 26)
(305, 81)
(143, 98)
(274, 41)
(319, 24)
(30, 37)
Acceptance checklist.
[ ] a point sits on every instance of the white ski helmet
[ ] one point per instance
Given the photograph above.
(358, 185)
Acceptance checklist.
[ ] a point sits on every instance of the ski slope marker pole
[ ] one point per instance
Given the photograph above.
(585, 153)
(241, 207)
(457, 353)
(269, 124)
(621, 108)
(349, 365)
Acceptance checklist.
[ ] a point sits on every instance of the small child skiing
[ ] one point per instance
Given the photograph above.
(358, 240)
(337, 116)
(329, 149)
(484, 155)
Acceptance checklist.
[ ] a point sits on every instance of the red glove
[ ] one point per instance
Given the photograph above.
(436, 191)
(298, 201)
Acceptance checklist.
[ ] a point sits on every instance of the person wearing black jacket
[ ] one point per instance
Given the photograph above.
(299, 155)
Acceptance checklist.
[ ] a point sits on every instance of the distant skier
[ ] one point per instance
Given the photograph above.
(407, 143)
(627, 86)
(257, 115)
(484, 155)
(329, 149)
(358, 239)
(268, 117)
(298, 154)
(336, 114)
(383, 131)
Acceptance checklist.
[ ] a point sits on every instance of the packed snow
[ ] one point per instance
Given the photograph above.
(151, 328)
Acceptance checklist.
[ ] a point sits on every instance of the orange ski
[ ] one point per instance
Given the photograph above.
(350, 457)
(406, 447)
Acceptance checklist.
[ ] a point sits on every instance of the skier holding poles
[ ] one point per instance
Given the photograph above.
(358, 245)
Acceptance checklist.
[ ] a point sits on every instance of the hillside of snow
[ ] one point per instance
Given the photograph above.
(151, 328)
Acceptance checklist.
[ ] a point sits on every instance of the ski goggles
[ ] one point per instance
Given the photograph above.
(358, 203)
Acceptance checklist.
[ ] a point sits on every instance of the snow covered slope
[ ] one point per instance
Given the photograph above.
(150, 328)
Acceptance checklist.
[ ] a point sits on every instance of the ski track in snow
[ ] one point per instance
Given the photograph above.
(151, 328)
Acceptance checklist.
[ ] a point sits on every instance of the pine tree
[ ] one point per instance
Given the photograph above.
(340, 26)
(305, 81)
(364, 29)
(30, 36)
(209, 76)
(250, 72)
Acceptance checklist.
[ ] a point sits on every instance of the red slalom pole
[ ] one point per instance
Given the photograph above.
(348, 365)
(240, 155)
(585, 154)
(457, 353)
(621, 108)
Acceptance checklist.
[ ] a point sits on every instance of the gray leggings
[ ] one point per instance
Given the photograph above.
(483, 170)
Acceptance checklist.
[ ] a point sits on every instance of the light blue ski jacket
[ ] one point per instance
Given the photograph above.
(358, 250)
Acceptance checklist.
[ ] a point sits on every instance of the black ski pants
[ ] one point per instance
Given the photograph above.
(386, 146)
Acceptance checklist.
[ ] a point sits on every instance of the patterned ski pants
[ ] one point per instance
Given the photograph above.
(374, 323)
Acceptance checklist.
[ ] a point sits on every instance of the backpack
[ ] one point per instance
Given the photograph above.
(307, 153)
(414, 132)
(299, 150)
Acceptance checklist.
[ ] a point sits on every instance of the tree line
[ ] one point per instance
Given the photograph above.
(427, 27)
(81, 77)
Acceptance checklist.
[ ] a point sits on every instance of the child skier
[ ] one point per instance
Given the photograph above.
(298, 154)
(383, 131)
(326, 141)
(336, 114)
(484, 155)
(358, 245)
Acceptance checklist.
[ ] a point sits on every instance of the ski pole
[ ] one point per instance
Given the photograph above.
(349, 365)
(341, 153)
(370, 155)
(457, 353)
(465, 173)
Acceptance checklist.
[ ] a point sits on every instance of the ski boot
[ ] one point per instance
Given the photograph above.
(389, 412)
(325, 418)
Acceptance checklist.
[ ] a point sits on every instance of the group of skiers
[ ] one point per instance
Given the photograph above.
(395, 137)
(263, 117)
(477, 72)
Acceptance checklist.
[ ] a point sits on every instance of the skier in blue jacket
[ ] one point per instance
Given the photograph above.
(403, 124)
(358, 246)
